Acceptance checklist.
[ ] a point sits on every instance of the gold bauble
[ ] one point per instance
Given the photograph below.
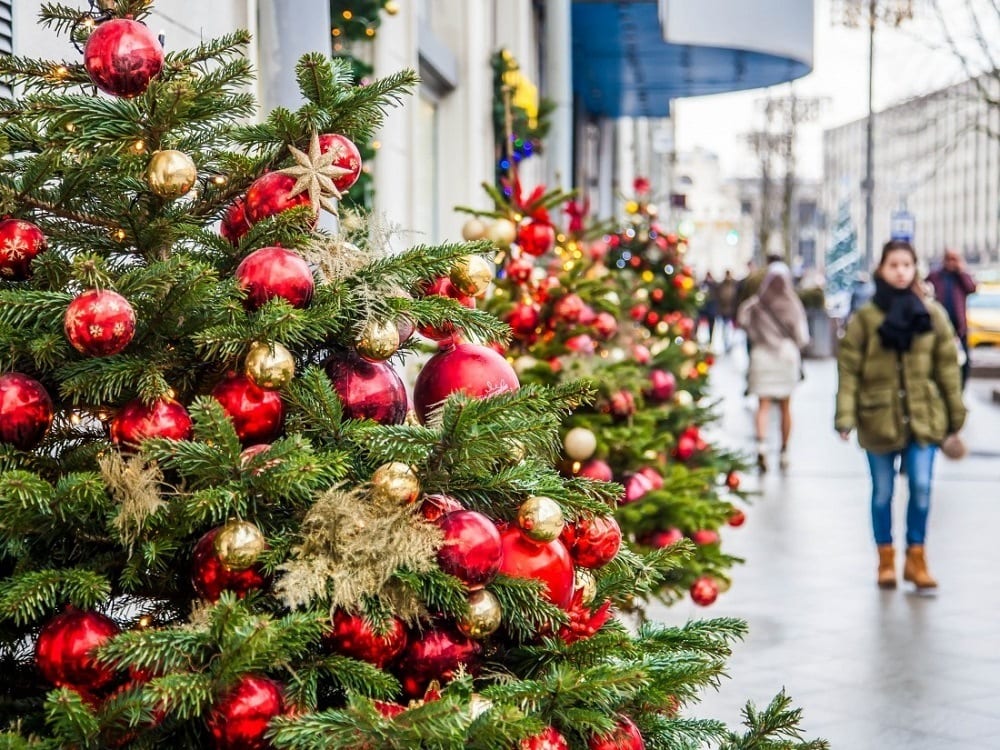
(239, 544)
(540, 518)
(524, 362)
(474, 229)
(580, 443)
(683, 398)
(502, 232)
(391, 7)
(269, 365)
(484, 615)
(586, 584)
(471, 275)
(689, 348)
(379, 340)
(397, 482)
(641, 294)
(613, 299)
(170, 173)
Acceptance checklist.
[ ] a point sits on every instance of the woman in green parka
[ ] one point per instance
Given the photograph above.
(900, 387)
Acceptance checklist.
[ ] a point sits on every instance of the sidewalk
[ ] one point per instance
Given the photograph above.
(873, 670)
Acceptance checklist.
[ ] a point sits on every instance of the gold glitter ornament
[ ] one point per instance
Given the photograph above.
(397, 482)
(269, 365)
(239, 544)
(484, 615)
(379, 340)
(540, 518)
(472, 275)
(170, 173)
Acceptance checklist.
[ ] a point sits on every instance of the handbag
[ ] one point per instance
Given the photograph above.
(784, 332)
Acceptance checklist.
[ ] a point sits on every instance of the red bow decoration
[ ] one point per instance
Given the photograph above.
(640, 185)
(527, 205)
(577, 212)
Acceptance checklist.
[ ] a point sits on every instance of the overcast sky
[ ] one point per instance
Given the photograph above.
(910, 60)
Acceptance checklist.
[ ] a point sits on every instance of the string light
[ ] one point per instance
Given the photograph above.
(347, 15)
(337, 32)
(61, 72)
(220, 179)
(139, 147)
(376, 145)
(369, 31)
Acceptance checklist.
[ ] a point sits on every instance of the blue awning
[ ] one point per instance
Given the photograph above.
(622, 67)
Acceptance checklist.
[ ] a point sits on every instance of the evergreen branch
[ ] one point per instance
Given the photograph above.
(157, 650)
(26, 597)
(526, 611)
(319, 412)
(72, 721)
(774, 728)
(229, 45)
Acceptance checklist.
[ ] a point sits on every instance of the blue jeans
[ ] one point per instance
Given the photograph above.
(919, 462)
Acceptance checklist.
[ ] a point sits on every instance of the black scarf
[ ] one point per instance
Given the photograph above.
(905, 315)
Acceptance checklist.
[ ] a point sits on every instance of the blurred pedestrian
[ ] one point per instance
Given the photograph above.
(746, 288)
(709, 309)
(726, 293)
(900, 388)
(775, 322)
(952, 285)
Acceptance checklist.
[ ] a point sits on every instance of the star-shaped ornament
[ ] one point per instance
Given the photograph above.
(314, 173)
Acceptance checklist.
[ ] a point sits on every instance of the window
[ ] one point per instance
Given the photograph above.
(6, 38)
(426, 169)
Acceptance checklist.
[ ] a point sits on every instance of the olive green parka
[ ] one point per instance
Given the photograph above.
(893, 397)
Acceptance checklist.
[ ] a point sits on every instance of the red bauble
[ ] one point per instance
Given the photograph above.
(705, 537)
(275, 272)
(733, 480)
(234, 222)
(99, 323)
(661, 539)
(549, 739)
(581, 344)
(122, 56)
(519, 270)
(471, 550)
(686, 447)
(636, 487)
(25, 410)
(704, 591)
(475, 370)
(548, 562)
(240, 716)
(593, 542)
(622, 404)
(605, 325)
(353, 636)
(536, 237)
(136, 421)
(269, 195)
(638, 312)
(435, 655)
(662, 386)
(345, 155)
(737, 517)
(434, 506)
(367, 390)
(20, 242)
(625, 736)
(442, 287)
(257, 414)
(597, 470)
(653, 476)
(569, 308)
(210, 577)
(65, 649)
(523, 318)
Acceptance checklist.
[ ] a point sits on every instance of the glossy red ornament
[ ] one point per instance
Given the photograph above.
(435, 655)
(737, 517)
(597, 470)
(625, 736)
(136, 421)
(705, 537)
(569, 308)
(605, 325)
(581, 344)
(234, 221)
(661, 539)
(442, 287)
(122, 56)
(733, 481)
(367, 390)
(472, 549)
(653, 476)
(519, 270)
(269, 196)
(523, 318)
(353, 636)
(25, 410)
(662, 385)
(241, 715)
(210, 576)
(474, 370)
(99, 323)
(64, 652)
(549, 739)
(704, 591)
(345, 155)
(548, 562)
(593, 542)
(275, 272)
(257, 414)
(434, 506)
(536, 237)
(20, 242)
(636, 487)
(622, 404)
(686, 447)
(638, 312)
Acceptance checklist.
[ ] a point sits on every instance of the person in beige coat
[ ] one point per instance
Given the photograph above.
(775, 322)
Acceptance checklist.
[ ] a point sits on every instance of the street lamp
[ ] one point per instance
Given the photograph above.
(855, 13)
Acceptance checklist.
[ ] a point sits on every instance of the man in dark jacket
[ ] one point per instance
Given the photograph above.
(952, 284)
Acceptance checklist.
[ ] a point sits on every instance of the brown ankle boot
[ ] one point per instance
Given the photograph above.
(915, 570)
(886, 566)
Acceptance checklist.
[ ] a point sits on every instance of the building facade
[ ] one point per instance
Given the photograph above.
(937, 156)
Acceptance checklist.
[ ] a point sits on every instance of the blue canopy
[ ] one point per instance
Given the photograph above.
(622, 67)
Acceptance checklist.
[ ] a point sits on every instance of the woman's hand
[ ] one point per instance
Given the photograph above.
(845, 435)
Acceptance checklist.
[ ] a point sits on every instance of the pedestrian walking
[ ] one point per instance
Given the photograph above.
(900, 388)
(775, 322)
(709, 309)
(952, 285)
(726, 293)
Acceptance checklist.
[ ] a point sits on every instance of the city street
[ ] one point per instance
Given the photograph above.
(873, 670)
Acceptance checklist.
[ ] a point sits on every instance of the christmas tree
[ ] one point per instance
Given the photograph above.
(222, 527)
(843, 259)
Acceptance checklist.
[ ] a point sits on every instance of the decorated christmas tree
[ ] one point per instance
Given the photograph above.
(222, 526)
(843, 259)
